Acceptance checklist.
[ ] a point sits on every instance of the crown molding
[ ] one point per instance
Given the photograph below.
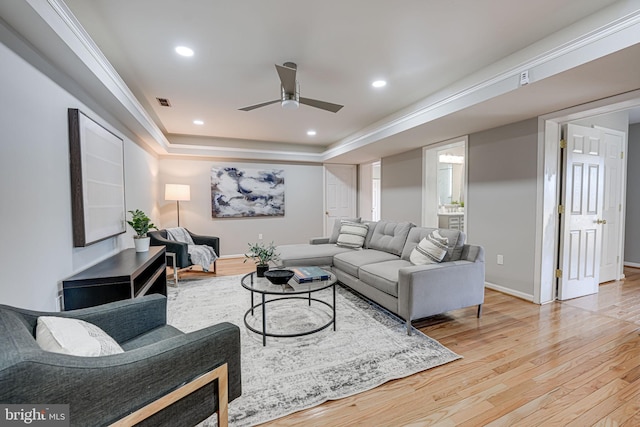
(613, 36)
(441, 103)
(73, 35)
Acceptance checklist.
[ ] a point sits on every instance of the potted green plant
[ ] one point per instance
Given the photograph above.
(261, 254)
(141, 224)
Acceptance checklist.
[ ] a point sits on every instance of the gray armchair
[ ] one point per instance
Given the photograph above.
(158, 360)
(182, 258)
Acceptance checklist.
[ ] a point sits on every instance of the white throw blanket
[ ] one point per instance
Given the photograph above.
(200, 254)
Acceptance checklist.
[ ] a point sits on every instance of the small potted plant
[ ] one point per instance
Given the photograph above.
(141, 224)
(261, 254)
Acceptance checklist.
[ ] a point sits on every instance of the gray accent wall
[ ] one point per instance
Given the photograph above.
(37, 250)
(632, 214)
(304, 205)
(501, 208)
(501, 199)
(401, 187)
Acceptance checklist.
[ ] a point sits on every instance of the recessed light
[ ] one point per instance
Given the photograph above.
(311, 132)
(379, 83)
(198, 122)
(184, 51)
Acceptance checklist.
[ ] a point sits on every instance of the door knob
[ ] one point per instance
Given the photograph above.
(601, 221)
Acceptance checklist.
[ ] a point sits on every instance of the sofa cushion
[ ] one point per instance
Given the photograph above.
(352, 234)
(454, 248)
(432, 249)
(304, 254)
(74, 336)
(390, 236)
(350, 262)
(337, 224)
(383, 275)
(372, 227)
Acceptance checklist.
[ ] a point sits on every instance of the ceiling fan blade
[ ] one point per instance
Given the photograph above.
(334, 108)
(253, 107)
(287, 78)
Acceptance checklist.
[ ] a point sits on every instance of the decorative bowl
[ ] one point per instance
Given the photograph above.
(278, 277)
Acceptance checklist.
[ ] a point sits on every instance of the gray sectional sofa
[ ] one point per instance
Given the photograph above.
(381, 269)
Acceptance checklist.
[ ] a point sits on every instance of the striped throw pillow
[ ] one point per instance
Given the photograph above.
(352, 234)
(432, 249)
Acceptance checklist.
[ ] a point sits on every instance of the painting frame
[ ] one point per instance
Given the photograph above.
(247, 192)
(96, 160)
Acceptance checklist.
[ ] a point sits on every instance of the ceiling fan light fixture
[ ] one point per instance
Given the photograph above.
(290, 104)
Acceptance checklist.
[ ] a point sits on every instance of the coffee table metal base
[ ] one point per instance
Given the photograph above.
(263, 305)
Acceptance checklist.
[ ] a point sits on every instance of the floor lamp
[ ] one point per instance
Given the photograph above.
(177, 192)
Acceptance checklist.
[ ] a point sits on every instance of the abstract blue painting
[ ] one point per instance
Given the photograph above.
(246, 192)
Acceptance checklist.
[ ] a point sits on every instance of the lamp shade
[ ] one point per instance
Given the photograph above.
(178, 192)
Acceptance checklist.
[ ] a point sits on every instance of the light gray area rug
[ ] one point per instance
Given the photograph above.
(369, 347)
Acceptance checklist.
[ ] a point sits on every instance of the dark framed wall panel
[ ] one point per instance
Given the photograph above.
(97, 180)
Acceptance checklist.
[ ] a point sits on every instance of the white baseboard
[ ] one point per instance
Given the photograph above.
(631, 264)
(508, 291)
(231, 256)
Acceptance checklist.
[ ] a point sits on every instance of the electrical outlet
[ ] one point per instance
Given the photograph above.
(260, 236)
(500, 260)
(524, 78)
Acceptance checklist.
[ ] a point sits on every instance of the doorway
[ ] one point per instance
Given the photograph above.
(591, 239)
(548, 238)
(445, 184)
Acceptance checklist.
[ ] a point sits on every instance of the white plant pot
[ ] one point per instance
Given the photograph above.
(142, 243)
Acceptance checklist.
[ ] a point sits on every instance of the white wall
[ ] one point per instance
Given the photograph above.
(35, 199)
(303, 205)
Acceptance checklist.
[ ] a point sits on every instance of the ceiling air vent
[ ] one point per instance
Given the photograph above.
(164, 102)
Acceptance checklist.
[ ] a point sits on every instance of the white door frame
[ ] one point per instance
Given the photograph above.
(547, 221)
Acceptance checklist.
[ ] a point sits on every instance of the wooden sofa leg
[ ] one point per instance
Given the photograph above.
(479, 310)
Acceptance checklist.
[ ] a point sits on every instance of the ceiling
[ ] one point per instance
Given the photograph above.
(420, 47)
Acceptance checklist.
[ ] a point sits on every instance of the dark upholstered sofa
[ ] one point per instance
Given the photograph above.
(157, 359)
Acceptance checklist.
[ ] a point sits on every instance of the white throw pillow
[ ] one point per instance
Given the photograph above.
(75, 337)
(352, 234)
(432, 249)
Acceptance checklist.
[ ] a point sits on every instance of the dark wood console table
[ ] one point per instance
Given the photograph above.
(128, 274)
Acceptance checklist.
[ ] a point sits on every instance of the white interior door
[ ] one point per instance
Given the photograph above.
(610, 268)
(581, 224)
(340, 194)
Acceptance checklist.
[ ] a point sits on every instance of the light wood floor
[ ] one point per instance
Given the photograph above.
(574, 363)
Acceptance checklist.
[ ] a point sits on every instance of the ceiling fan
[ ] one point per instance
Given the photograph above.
(290, 92)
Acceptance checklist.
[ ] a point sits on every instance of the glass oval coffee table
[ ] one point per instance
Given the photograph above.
(289, 291)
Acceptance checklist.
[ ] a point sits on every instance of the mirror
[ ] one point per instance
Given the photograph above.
(451, 180)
